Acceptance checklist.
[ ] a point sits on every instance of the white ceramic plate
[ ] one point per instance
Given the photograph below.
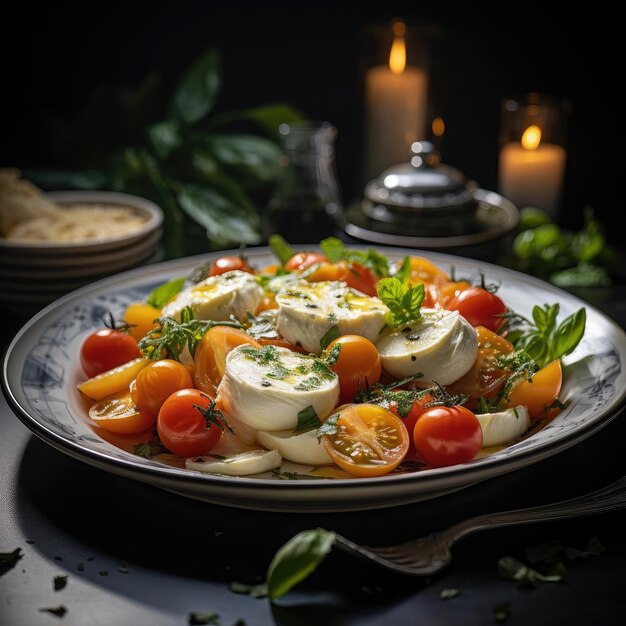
(41, 370)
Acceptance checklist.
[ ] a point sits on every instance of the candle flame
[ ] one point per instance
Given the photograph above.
(531, 137)
(397, 56)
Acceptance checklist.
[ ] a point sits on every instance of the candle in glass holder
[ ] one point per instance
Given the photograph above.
(396, 100)
(531, 172)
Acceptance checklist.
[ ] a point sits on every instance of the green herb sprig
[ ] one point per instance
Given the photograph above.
(336, 250)
(403, 301)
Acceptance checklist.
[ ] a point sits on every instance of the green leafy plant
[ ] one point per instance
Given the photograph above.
(565, 258)
(203, 169)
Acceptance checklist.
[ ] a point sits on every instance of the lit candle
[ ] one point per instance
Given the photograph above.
(395, 107)
(531, 172)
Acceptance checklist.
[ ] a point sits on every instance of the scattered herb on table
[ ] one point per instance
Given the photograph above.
(255, 591)
(59, 582)
(59, 611)
(512, 569)
(449, 592)
(204, 618)
(501, 612)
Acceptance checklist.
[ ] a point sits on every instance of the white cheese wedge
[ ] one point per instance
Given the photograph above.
(504, 426)
(242, 464)
(266, 388)
(219, 297)
(442, 347)
(307, 311)
(303, 448)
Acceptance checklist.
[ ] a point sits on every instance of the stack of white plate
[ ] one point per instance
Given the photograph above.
(34, 273)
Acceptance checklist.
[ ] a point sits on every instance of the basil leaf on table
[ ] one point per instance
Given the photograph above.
(298, 558)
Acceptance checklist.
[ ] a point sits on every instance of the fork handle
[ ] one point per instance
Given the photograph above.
(608, 498)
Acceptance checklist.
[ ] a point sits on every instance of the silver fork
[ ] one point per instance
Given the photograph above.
(430, 554)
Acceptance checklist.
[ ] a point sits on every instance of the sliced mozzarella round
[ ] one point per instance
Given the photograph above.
(442, 347)
(242, 464)
(303, 448)
(307, 311)
(219, 297)
(503, 426)
(266, 388)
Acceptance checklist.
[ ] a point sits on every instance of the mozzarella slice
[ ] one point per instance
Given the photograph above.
(442, 347)
(266, 388)
(242, 464)
(303, 448)
(504, 426)
(307, 311)
(219, 297)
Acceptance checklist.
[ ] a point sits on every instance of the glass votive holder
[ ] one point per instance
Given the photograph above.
(533, 151)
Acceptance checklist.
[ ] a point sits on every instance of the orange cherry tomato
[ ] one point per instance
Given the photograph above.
(228, 264)
(156, 382)
(447, 436)
(354, 275)
(140, 317)
(486, 377)
(303, 260)
(540, 391)
(424, 271)
(442, 293)
(182, 426)
(119, 414)
(268, 302)
(370, 440)
(211, 353)
(358, 365)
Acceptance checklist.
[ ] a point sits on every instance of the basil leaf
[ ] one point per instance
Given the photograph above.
(569, 333)
(197, 91)
(281, 249)
(403, 301)
(165, 292)
(404, 271)
(329, 336)
(298, 558)
(165, 136)
(307, 420)
(334, 249)
(583, 275)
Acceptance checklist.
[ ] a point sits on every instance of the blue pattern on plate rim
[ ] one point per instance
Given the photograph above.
(50, 364)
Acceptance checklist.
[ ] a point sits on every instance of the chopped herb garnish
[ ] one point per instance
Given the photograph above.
(307, 420)
(329, 427)
(449, 592)
(263, 325)
(404, 302)
(150, 448)
(170, 337)
(59, 582)
(59, 611)
(309, 384)
(331, 356)
(165, 292)
(296, 476)
(204, 618)
(335, 250)
(329, 336)
(256, 591)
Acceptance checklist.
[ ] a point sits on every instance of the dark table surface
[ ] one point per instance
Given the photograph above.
(137, 555)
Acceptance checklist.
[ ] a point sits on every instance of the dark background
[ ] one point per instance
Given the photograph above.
(57, 56)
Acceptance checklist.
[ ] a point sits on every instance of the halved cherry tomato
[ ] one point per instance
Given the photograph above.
(479, 307)
(354, 275)
(182, 426)
(486, 377)
(156, 382)
(228, 264)
(140, 317)
(113, 381)
(370, 440)
(358, 365)
(303, 260)
(105, 349)
(211, 353)
(540, 391)
(447, 436)
(119, 414)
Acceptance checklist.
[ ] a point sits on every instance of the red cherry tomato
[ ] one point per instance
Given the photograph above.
(183, 428)
(358, 365)
(228, 264)
(479, 307)
(447, 436)
(302, 260)
(415, 412)
(105, 349)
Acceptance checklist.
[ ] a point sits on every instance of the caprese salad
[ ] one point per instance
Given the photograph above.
(328, 358)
